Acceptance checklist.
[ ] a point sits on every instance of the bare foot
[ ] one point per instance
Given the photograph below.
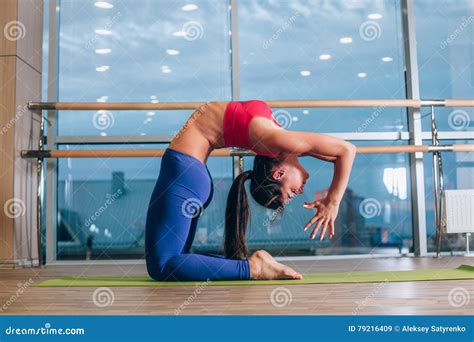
(264, 267)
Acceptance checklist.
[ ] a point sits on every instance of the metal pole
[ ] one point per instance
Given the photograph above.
(417, 178)
(39, 195)
(434, 142)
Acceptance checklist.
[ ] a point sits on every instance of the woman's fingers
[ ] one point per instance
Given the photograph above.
(331, 230)
(311, 222)
(315, 230)
(312, 204)
(323, 231)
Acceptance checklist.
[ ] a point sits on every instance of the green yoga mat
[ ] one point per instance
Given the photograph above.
(462, 272)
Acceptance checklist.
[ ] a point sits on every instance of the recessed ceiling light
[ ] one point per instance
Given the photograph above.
(102, 68)
(172, 52)
(295, 118)
(387, 59)
(189, 7)
(345, 40)
(142, 133)
(153, 97)
(103, 32)
(325, 57)
(103, 134)
(179, 34)
(103, 51)
(361, 75)
(150, 114)
(103, 4)
(165, 69)
(305, 73)
(305, 112)
(375, 16)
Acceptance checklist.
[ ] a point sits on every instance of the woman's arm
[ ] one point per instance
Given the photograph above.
(325, 147)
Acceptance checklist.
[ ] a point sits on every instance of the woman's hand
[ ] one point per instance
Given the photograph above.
(326, 213)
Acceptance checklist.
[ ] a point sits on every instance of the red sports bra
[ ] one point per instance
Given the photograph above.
(237, 117)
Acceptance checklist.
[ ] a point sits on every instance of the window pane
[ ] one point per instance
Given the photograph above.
(336, 50)
(445, 31)
(458, 173)
(374, 215)
(141, 51)
(102, 204)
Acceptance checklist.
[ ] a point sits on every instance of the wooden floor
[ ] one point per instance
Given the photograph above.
(407, 298)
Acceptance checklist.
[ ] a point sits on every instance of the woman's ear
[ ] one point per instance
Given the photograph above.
(279, 173)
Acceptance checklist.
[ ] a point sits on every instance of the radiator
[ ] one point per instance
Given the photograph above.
(458, 211)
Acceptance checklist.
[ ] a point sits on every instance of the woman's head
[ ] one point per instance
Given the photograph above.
(272, 183)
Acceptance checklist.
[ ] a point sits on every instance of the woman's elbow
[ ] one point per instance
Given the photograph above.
(349, 149)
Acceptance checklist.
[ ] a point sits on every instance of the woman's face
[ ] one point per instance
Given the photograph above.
(292, 177)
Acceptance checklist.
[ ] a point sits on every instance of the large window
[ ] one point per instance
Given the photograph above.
(446, 70)
(139, 51)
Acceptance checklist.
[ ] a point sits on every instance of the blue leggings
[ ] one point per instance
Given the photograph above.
(183, 189)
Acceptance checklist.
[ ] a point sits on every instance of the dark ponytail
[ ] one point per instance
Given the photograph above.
(266, 192)
(237, 215)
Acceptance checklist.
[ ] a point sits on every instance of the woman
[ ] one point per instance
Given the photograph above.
(184, 188)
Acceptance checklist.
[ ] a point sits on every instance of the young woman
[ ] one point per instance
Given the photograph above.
(184, 188)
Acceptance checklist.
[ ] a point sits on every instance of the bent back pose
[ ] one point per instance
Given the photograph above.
(184, 188)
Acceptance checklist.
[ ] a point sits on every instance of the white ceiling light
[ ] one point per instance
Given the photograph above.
(179, 34)
(361, 75)
(153, 97)
(103, 134)
(165, 69)
(325, 57)
(103, 4)
(387, 59)
(102, 68)
(150, 114)
(103, 51)
(189, 7)
(305, 112)
(345, 40)
(172, 52)
(375, 16)
(103, 32)
(305, 73)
